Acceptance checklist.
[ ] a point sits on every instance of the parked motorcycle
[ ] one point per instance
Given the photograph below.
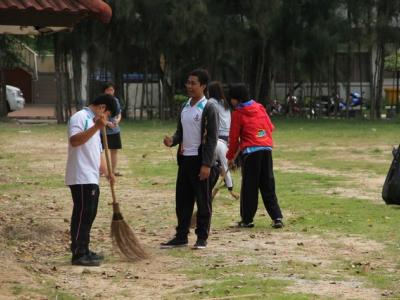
(355, 102)
(276, 108)
(293, 106)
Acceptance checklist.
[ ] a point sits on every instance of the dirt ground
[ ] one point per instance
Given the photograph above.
(34, 242)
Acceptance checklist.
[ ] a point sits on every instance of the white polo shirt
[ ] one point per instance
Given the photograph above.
(191, 124)
(83, 163)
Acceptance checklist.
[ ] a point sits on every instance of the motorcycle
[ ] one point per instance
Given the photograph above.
(293, 106)
(276, 108)
(323, 106)
(355, 102)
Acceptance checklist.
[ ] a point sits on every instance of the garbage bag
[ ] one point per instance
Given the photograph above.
(391, 187)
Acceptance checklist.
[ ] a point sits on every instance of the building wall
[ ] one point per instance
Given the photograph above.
(133, 98)
(45, 64)
(45, 89)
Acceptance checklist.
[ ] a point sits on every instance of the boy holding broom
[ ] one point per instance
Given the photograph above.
(82, 174)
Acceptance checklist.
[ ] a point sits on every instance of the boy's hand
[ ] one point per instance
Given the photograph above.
(231, 164)
(111, 125)
(204, 172)
(168, 141)
(111, 178)
(100, 121)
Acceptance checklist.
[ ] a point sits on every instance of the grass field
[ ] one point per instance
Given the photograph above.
(340, 240)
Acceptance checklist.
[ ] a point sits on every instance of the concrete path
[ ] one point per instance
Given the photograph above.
(35, 111)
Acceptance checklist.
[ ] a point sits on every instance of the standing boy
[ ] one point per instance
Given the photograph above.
(82, 174)
(197, 135)
(251, 131)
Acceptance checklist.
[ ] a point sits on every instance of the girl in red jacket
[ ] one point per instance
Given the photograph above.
(251, 132)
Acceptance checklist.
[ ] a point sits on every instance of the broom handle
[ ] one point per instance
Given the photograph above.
(109, 169)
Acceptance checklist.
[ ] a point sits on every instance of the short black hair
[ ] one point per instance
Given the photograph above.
(202, 75)
(109, 101)
(106, 86)
(238, 91)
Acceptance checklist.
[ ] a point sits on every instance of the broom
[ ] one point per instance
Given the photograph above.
(121, 234)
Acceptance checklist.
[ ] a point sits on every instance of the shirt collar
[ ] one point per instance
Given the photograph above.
(90, 112)
(200, 104)
(247, 103)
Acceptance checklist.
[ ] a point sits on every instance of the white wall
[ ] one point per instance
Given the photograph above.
(133, 97)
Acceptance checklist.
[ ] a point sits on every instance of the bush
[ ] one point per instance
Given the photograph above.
(179, 98)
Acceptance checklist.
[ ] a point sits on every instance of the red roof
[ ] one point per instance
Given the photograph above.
(52, 12)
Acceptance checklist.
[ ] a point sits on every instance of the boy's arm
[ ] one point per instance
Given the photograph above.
(118, 118)
(103, 164)
(208, 148)
(178, 135)
(82, 137)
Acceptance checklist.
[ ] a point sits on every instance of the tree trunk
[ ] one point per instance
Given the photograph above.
(259, 70)
(380, 66)
(143, 98)
(127, 101)
(134, 104)
(335, 84)
(377, 82)
(91, 71)
(119, 83)
(397, 81)
(266, 86)
(160, 103)
(68, 88)
(152, 106)
(361, 75)
(372, 86)
(3, 94)
(77, 77)
(59, 80)
(348, 77)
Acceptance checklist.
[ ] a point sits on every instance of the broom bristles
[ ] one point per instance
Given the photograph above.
(125, 240)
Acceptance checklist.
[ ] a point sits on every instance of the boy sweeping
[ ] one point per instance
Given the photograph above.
(82, 174)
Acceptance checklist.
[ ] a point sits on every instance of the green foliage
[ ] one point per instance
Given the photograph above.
(179, 99)
(8, 52)
(392, 62)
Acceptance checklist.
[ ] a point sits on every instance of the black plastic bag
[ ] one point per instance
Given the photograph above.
(391, 187)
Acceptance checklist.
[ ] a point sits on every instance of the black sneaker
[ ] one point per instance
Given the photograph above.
(174, 243)
(277, 223)
(85, 260)
(200, 244)
(242, 224)
(95, 256)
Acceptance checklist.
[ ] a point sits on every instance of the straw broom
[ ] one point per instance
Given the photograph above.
(122, 235)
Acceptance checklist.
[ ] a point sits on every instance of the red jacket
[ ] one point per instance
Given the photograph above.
(250, 126)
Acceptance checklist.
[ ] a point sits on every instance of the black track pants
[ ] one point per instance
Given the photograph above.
(189, 189)
(86, 199)
(258, 174)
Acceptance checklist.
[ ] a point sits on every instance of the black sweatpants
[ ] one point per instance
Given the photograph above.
(189, 188)
(86, 199)
(258, 174)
